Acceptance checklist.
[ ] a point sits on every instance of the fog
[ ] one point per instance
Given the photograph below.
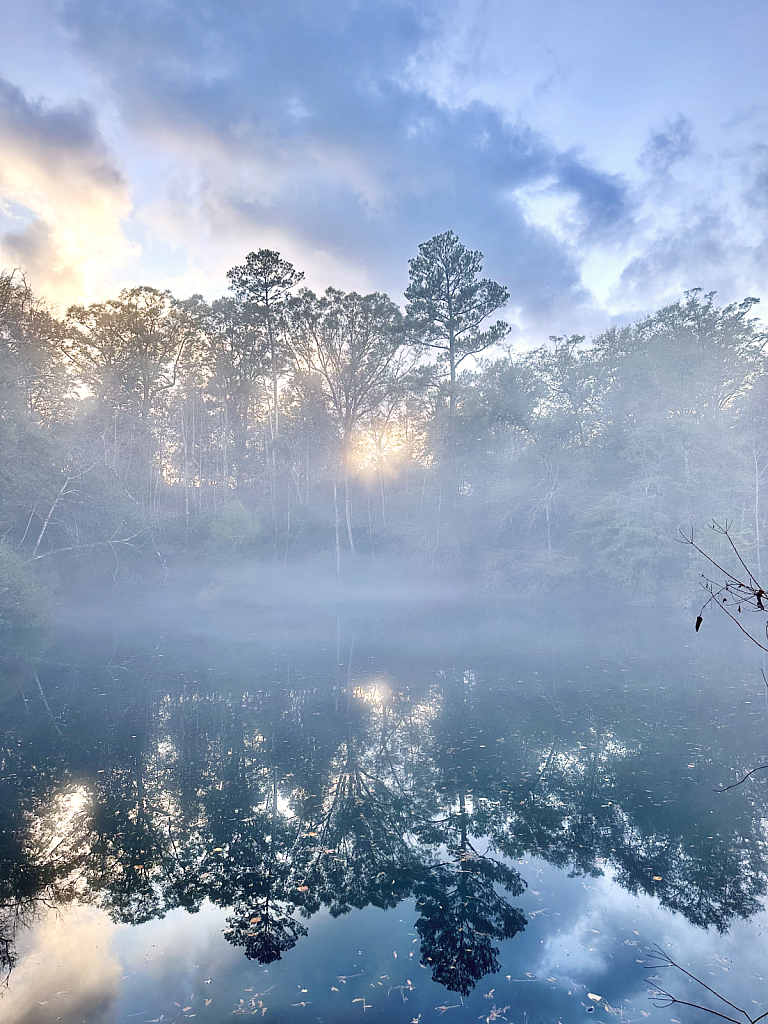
(318, 604)
(382, 529)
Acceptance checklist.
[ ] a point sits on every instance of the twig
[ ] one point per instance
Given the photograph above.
(663, 959)
(47, 705)
(724, 789)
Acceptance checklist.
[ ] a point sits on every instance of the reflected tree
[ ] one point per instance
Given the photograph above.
(279, 801)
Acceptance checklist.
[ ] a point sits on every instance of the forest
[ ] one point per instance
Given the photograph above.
(275, 424)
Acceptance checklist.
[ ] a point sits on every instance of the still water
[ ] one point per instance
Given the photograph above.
(366, 819)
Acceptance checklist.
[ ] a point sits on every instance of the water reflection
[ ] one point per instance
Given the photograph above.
(143, 788)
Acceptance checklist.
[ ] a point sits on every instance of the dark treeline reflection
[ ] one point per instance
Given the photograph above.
(272, 793)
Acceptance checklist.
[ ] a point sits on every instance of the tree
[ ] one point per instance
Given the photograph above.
(31, 367)
(461, 914)
(691, 359)
(128, 350)
(447, 302)
(349, 344)
(238, 361)
(263, 284)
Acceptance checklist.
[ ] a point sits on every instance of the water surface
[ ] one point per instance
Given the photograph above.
(361, 819)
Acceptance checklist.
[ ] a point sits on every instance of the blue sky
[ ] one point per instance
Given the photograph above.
(603, 156)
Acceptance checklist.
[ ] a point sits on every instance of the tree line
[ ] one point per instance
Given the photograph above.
(280, 423)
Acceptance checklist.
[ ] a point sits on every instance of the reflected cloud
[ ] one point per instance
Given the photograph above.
(67, 971)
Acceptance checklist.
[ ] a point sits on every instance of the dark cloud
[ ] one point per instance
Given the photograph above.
(604, 198)
(30, 248)
(54, 133)
(666, 147)
(701, 253)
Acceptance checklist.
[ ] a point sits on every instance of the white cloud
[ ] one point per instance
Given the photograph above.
(66, 971)
(68, 197)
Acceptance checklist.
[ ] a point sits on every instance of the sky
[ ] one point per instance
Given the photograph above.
(603, 156)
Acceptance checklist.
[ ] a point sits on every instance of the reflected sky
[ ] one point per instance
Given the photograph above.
(107, 973)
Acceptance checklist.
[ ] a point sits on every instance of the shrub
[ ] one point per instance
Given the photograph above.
(21, 598)
(234, 526)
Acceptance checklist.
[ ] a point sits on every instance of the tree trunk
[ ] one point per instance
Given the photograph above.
(337, 525)
(348, 514)
(452, 396)
(381, 489)
(757, 511)
(47, 519)
(347, 499)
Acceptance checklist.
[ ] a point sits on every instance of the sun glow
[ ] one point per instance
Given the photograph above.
(375, 691)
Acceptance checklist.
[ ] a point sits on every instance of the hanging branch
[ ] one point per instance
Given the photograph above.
(663, 999)
(743, 591)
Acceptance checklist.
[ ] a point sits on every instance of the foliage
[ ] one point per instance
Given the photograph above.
(233, 526)
(145, 425)
(21, 598)
(447, 302)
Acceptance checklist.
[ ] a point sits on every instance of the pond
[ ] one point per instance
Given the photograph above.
(344, 817)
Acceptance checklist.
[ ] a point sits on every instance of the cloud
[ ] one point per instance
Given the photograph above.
(67, 971)
(302, 127)
(664, 148)
(68, 196)
(344, 134)
(701, 250)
